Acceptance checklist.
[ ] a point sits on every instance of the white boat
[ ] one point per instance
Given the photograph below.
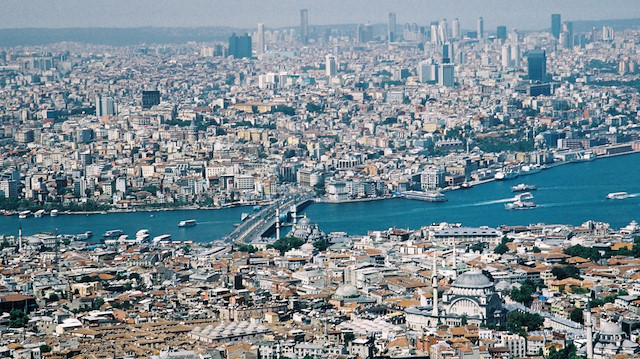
(187, 223)
(39, 213)
(84, 236)
(425, 196)
(244, 216)
(524, 196)
(524, 187)
(161, 239)
(24, 214)
(530, 169)
(507, 175)
(113, 234)
(54, 213)
(142, 235)
(617, 195)
(520, 205)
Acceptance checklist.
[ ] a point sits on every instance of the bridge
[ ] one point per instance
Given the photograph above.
(261, 223)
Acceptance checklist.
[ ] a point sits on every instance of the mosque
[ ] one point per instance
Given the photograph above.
(609, 342)
(472, 299)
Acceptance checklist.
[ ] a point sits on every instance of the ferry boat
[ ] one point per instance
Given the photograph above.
(466, 185)
(54, 213)
(39, 213)
(187, 223)
(524, 196)
(161, 239)
(425, 196)
(142, 235)
(506, 175)
(530, 169)
(112, 234)
(84, 236)
(522, 187)
(520, 205)
(24, 214)
(617, 195)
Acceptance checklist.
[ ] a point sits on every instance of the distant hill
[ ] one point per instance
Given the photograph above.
(114, 36)
(618, 25)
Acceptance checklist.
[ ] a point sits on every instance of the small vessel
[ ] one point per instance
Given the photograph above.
(257, 208)
(466, 185)
(39, 213)
(113, 234)
(24, 214)
(187, 223)
(617, 195)
(54, 213)
(84, 236)
(524, 196)
(520, 205)
(244, 216)
(522, 187)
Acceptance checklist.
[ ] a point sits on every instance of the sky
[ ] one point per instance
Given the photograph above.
(519, 14)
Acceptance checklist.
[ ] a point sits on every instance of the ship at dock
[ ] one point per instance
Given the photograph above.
(424, 196)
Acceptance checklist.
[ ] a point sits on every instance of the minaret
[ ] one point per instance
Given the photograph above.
(455, 264)
(434, 284)
(20, 238)
(295, 214)
(589, 327)
(277, 223)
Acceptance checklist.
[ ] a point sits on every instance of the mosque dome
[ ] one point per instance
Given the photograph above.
(305, 222)
(607, 328)
(473, 280)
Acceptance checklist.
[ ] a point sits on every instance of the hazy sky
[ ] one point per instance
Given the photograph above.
(520, 14)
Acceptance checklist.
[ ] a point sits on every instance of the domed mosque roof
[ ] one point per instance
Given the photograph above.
(608, 328)
(474, 279)
(304, 221)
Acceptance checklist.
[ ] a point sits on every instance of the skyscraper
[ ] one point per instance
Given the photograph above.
(555, 25)
(104, 106)
(240, 46)
(150, 98)
(261, 45)
(304, 26)
(330, 65)
(501, 32)
(446, 77)
(391, 27)
(480, 28)
(537, 65)
(455, 29)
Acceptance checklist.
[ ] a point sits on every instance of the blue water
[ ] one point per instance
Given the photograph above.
(569, 194)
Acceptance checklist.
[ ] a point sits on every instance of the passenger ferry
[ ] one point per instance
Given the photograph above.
(54, 213)
(617, 195)
(165, 238)
(520, 205)
(524, 196)
(425, 196)
(507, 175)
(113, 234)
(522, 187)
(39, 213)
(24, 214)
(187, 223)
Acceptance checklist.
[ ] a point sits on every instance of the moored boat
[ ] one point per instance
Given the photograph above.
(187, 223)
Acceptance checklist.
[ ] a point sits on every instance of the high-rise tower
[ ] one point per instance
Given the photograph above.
(556, 22)
(455, 29)
(391, 27)
(261, 45)
(304, 26)
(480, 28)
(537, 65)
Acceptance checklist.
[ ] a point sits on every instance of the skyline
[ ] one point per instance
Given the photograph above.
(518, 14)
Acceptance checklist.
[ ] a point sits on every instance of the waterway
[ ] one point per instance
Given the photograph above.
(568, 194)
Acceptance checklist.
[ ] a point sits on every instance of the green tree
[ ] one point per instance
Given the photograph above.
(522, 323)
(45, 348)
(348, 337)
(577, 315)
(18, 319)
(286, 243)
(321, 244)
(569, 271)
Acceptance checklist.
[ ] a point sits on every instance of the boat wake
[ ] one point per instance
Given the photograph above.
(504, 200)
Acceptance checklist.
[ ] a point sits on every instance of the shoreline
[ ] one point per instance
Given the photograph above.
(322, 199)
